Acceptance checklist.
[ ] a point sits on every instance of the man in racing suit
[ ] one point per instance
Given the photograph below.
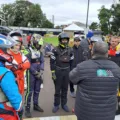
(34, 75)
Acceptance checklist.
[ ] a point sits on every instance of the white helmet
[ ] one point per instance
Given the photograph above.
(16, 35)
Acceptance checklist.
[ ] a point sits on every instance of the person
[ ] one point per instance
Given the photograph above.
(60, 60)
(10, 98)
(48, 49)
(34, 75)
(97, 80)
(20, 62)
(86, 45)
(95, 39)
(112, 52)
(114, 55)
(78, 58)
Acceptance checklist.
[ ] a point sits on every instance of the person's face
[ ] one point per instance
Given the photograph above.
(119, 39)
(114, 42)
(77, 43)
(16, 48)
(64, 41)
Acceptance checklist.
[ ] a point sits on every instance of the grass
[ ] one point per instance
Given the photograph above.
(52, 40)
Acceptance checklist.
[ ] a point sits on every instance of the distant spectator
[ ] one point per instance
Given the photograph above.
(48, 49)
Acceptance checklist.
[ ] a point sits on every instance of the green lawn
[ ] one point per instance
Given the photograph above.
(53, 40)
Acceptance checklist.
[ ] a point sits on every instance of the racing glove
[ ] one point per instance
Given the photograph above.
(53, 76)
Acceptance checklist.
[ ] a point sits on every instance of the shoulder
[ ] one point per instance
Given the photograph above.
(6, 74)
(3, 70)
(70, 49)
(112, 64)
(85, 63)
(80, 47)
(95, 63)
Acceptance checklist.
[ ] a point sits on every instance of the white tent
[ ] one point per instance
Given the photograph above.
(73, 27)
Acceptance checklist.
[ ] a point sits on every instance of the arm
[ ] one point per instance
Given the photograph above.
(10, 89)
(83, 58)
(71, 59)
(41, 62)
(25, 63)
(75, 75)
(53, 60)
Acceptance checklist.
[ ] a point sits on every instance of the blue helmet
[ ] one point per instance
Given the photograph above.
(90, 34)
(6, 42)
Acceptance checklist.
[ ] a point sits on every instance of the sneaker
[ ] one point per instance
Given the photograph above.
(65, 108)
(55, 109)
(72, 94)
(38, 108)
(28, 113)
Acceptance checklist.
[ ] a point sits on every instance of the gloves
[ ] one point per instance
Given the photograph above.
(53, 76)
(16, 67)
(36, 72)
(20, 66)
(38, 75)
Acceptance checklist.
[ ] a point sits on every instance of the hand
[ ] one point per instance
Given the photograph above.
(38, 75)
(35, 73)
(53, 76)
(14, 67)
(20, 66)
(118, 94)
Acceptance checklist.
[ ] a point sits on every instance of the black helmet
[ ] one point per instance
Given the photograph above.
(63, 36)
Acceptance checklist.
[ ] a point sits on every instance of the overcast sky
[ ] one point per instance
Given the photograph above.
(66, 11)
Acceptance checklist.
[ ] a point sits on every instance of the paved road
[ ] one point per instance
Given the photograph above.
(47, 95)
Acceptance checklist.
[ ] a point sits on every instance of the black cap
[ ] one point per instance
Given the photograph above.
(77, 39)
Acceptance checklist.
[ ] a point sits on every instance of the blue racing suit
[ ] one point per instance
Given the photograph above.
(10, 98)
(36, 59)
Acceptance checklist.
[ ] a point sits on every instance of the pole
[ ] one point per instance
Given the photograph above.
(53, 18)
(87, 14)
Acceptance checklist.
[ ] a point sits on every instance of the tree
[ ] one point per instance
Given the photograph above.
(24, 13)
(46, 23)
(34, 16)
(58, 27)
(93, 26)
(116, 18)
(104, 17)
(7, 13)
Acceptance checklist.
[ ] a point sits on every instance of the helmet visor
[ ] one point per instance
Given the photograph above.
(6, 42)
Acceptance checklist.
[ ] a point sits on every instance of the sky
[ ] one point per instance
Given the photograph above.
(67, 11)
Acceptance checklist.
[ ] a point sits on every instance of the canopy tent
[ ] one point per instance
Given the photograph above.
(73, 27)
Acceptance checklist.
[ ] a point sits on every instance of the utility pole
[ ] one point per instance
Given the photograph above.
(53, 19)
(87, 14)
(86, 31)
